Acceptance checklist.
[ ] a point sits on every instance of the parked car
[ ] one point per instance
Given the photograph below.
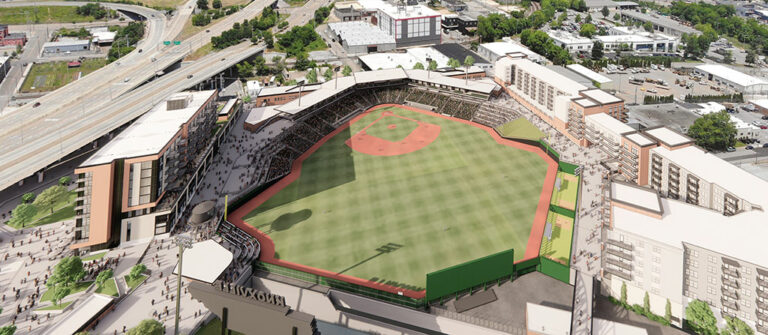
(749, 147)
(730, 149)
(36, 104)
(765, 117)
(765, 145)
(763, 127)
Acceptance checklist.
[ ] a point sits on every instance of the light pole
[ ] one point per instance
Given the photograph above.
(184, 242)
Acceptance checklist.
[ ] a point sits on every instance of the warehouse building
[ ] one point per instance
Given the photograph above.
(66, 46)
(571, 42)
(360, 37)
(8, 38)
(639, 41)
(736, 80)
(494, 50)
(662, 24)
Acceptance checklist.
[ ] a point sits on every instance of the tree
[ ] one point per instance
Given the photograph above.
(7, 330)
(244, 70)
(648, 27)
(624, 292)
(605, 11)
(700, 318)
(148, 327)
(453, 63)
(587, 30)
(588, 19)
(103, 277)
(64, 181)
(597, 50)
(728, 58)
(67, 272)
(27, 197)
(328, 74)
(269, 39)
(714, 131)
(577, 18)
(202, 4)
(23, 214)
(311, 76)
(668, 311)
(200, 20)
(216, 4)
(346, 71)
(137, 270)
(60, 293)
(751, 58)
(735, 326)
(468, 62)
(302, 63)
(418, 66)
(616, 17)
(647, 304)
(432, 65)
(50, 196)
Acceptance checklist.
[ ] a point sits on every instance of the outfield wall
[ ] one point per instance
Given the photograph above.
(465, 276)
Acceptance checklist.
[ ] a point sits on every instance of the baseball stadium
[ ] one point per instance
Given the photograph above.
(397, 198)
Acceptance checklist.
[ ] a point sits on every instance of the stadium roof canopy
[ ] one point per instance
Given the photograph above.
(205, 261)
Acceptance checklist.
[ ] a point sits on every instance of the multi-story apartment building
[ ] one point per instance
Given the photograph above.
(694, 232)
(140, 183)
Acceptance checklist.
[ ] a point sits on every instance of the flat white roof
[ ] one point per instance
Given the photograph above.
(259, 114)
(102, 36)
(228, 106)
(640, 139)
(407, 59)
(606, 327)
(567, 38)
(659, 20)
(547, 320)
(624, 39)
(715, 170)
(275, 90)
(635, 195)
(360, 33)
(503, 48)
(151, 132)
(586, 72)
(740, 236)
(205, 261)
(762, 103)
(66, 43)
(729, 74)
(585, 102)
(609, 122)
(668, 136)
(81, 314)
(553, 78)
(601, 96)
(410, 12)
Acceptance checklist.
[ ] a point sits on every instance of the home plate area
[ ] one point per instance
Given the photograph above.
(392, 135)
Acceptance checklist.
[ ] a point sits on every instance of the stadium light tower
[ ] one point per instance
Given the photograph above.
(184, 242)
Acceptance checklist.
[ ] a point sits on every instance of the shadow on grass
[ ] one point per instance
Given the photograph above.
(334, 157)
(384, 249)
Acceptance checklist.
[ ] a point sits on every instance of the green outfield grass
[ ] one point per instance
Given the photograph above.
(521, 128)
(566, 196)
(559, 247)
(396, 218)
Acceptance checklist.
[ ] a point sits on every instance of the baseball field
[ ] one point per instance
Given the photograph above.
(401, 193)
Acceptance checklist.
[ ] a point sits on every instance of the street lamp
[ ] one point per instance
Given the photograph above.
(184, 242)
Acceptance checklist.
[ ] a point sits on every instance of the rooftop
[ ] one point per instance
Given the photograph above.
(458, 52)
(729, 74)
(407, 59)
(606, 327)
(360, 33)
(66, 43)
(503, 48)
(586, 72)
(585, 102)
(276, 90)
(81, 314)
(610, 123)
(550, 77)
(640, 197)
(640, 139)
(567, 38)
(259, 114)
(624, 39)
(668, 136)
(602, 97)
(410, 12)
(762, 103)
(205, 261)
(151, 132)
(547, 320)
(664, 21)
(715, 170)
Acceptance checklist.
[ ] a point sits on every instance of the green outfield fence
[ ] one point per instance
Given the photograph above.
(555, 270)
(341, 285)
(567, 167)
(468, 275)
(562, 211)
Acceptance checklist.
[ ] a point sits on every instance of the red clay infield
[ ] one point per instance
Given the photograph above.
(423, 135)
(268, 246)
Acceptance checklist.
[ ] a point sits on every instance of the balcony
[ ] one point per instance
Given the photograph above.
(762, 281)
(617, 273)
(761, 316)
(629, 172)
(761, 328)
(761, 304)
(622, 245)
(730, 293)
(730, 304)
(619, 254)
(731, 272)
(762, 293)
(620, 264)
(729, 282)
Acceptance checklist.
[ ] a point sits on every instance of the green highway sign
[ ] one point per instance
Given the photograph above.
(176, 42)
(167, 42)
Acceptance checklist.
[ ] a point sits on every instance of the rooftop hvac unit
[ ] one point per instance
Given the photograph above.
(179, 101)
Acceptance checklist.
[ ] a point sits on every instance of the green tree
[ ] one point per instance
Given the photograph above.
(588, 19)
(605, 11)
(244, 69)
(346, 71)
(714, 131)
(137, 270)
(64, 181)
(728, 57)
(50, 196)
(587, 30)
(432, 65)
(311, 76)
(647, 304)
(597, 50)
(148, 327)
(468, 62)
(7, 330)
(302, 62)
(668, 311)
(700, 318)
(216, 4)
(60, 293)
(200, 20)
(616, 17)
(577, 18)
(418, 66)
(328, 74)
(734, 326)
(751, 58)
(202, 4)
(27, 197)
(454, 63)
(67, 272)
(269, 39)
(624, 292)
(103, 277)
(23, 214)
(648, 27)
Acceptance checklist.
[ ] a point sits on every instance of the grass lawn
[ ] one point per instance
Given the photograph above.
(76, 288)
(521, 128)
(94, 257)
(213, 328)
(559, 247)
(200, 52)
(396, 218)
(44, 77)
(739, 144)
(56, 307)
(64, 209)
(109, 288)
(42, 14)
(296, 3)
(566, 196)
(132, 283)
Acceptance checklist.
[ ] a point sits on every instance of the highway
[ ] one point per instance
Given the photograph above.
(32, 138)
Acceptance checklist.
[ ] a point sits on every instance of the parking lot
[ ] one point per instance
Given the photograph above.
(632, 93)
